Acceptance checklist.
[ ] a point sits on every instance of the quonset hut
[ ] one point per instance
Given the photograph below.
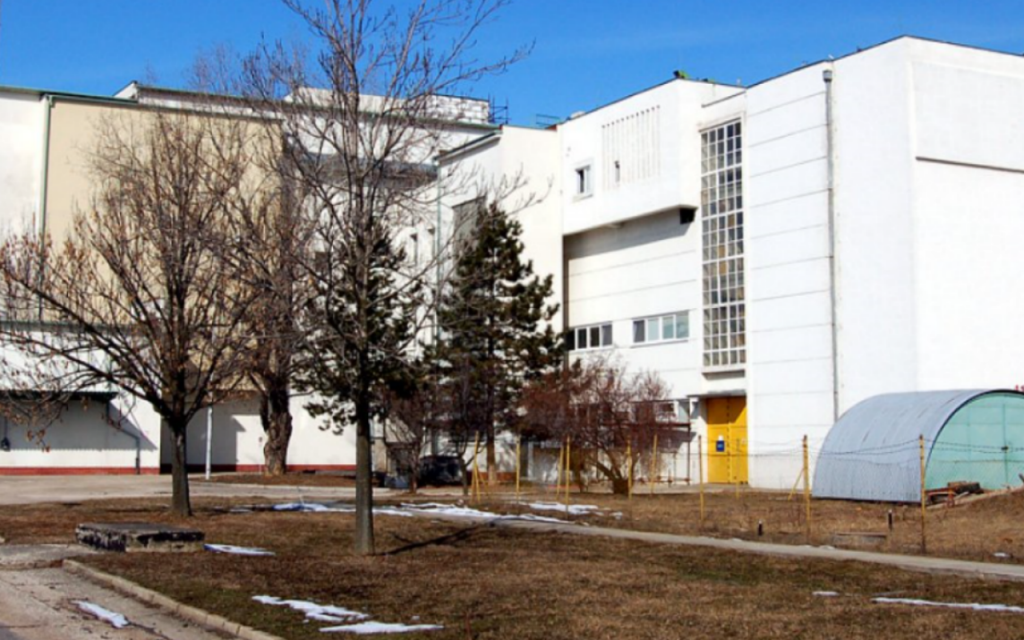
(873, 451)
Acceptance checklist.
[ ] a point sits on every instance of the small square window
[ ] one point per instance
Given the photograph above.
(584, 185)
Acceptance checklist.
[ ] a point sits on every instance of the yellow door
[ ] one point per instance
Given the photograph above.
(727, 440)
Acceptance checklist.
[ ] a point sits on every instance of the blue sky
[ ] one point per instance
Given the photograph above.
(586, 52)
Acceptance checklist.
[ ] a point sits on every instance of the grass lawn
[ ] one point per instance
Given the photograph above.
(483, 582)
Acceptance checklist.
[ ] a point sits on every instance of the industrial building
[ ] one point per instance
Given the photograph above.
(777, 253)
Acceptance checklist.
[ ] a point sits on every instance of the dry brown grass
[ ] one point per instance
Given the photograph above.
(482, 582)
(974, 531)
(289, 479)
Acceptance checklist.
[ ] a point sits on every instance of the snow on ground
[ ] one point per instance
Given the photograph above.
(330, 613)
(116, 620)
(316, 507)
(241, 551)
(951, 605)
(449, 510)
(574, 509)
(381, 627)
(826, 594)
(314, 611)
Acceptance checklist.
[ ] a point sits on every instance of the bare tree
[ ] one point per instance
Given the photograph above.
(611, 415)
(366, 121)
(137, 298)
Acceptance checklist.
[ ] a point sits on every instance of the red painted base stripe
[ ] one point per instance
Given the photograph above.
(76, 471)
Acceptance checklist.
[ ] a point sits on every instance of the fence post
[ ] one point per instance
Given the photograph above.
(476, 467)
(807, 490)
(568, 471)
(558, 474)
(629, 468)
(700, 476)
(924, 497)
(519, 463)
(654, 463)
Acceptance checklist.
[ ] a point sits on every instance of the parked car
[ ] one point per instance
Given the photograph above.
(440, 470)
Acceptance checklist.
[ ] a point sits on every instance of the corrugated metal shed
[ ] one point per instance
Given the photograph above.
(872, 452)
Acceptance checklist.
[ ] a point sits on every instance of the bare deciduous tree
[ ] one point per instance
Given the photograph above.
(137, 297)
(366, 121)
(611, 415)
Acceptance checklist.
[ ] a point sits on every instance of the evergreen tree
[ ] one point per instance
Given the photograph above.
(495, 332)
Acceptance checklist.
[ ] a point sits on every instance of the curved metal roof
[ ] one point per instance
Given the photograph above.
(872, 452)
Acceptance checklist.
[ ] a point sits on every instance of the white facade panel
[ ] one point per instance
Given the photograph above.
(21, 130)
(968, 267)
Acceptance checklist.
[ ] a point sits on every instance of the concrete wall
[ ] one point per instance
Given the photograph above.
(789, 332)
(669, 177)
(21, 159)
(85, 439)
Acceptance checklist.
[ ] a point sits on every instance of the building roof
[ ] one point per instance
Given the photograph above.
(873, 451)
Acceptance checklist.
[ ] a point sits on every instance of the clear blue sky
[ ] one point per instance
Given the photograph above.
(587, 52)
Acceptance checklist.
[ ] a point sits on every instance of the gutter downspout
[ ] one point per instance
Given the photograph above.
(137, 439)
(44, 182)
(830, 153)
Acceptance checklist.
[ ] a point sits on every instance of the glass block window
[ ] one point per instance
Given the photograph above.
(672, 326)
(597, 336)
(722, 235)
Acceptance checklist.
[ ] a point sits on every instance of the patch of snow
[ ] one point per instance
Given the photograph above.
(241, 551)
(116, 620)
(951, 605)
(826, 594)
(380, 627)
(315, 507)
(533, 518)
(574, 509)
(1001, 554)
(449, 510)
(314, 611)
(304, 506)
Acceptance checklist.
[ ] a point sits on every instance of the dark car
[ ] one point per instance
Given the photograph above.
(440, 470)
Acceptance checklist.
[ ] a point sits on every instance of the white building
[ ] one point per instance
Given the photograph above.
(44, 181)
(779, 252)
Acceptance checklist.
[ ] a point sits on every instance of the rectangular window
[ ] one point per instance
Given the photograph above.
(598, 336)
(584, 185)
(662, 328)
(723, 251)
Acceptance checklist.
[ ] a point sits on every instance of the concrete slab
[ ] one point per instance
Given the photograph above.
(135, 537)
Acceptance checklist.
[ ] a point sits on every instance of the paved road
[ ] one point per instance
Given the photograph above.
(16, 490)
(37, 602)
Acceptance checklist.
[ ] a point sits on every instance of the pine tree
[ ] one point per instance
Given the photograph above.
(495, 332)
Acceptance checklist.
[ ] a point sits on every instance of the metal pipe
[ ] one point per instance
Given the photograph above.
(137, 439)
(830, 153)
(44, 181)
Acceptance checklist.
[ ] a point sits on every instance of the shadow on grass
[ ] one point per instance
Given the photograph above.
(461, 535)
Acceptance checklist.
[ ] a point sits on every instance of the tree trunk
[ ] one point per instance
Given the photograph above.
(364, 480)
(181, 504)
(276, 416)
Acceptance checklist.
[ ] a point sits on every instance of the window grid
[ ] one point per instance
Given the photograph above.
(669, 326)
(596, 336)
(722, 235)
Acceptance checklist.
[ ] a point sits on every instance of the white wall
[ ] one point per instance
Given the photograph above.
(85, 439)
(789, 334)
(21, 130)
(519, 167)
(968, 216)
(676, 181)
